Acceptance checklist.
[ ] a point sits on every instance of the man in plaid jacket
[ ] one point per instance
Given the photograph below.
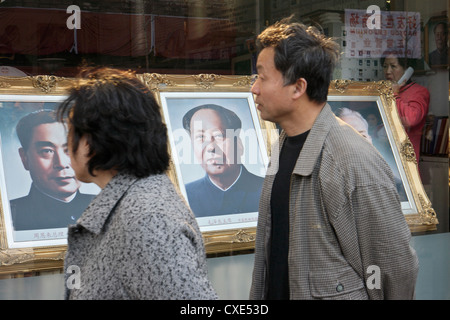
(330, 221)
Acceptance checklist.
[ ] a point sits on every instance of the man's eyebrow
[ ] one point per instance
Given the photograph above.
(42, 144)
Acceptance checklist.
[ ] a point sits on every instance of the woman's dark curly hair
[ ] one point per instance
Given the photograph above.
(121, 120)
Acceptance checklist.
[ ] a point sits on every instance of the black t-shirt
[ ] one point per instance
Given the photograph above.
(278, 277)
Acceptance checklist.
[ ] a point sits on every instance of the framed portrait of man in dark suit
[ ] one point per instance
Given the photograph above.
(40, 193)
(436, 42)
(219, 155)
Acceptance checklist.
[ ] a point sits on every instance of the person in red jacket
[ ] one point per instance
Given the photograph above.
(412, 99)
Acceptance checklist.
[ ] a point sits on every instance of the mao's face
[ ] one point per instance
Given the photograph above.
(441, 37)
(214, 149)
(48, 161)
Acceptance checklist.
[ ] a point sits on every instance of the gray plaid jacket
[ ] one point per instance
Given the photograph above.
(345, 221)
(137, 240)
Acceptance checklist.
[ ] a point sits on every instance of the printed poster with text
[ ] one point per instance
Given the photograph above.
(374, 35)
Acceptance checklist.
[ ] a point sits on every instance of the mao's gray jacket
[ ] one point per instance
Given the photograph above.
(137, 240)
(348, 237)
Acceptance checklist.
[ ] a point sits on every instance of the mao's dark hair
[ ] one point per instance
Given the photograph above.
(229, 119)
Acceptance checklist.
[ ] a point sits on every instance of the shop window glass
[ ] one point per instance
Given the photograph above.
(191, 36)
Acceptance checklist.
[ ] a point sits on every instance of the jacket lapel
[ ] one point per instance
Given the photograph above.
(314, 142)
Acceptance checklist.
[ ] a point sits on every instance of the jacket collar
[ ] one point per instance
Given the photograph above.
(314, 142)
(98, 211)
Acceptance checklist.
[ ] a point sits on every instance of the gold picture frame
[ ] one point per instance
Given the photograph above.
(20, 260)
(218, 88)
(363, 97)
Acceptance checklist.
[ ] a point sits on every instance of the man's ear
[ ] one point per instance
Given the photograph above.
(300, 88)
(24, 158)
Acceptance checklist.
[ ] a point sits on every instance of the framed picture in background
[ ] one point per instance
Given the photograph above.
(40, 195)
(219, 147)
(208, 113)
(436, 42)
(371, 109)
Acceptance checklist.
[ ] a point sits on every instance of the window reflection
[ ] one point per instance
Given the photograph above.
(189, 36)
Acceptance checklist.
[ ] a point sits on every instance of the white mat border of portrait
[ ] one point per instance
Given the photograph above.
(35, 237)
(408, 207)
(222, 222)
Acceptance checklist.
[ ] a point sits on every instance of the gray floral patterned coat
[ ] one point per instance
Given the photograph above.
(137, 240)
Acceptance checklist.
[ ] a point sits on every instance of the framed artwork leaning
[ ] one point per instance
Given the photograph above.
(370, 108)
(436, 42)
(220, 155)
(40, 195)
(219, 148)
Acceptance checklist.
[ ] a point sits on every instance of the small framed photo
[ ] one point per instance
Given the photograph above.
(436, 42)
